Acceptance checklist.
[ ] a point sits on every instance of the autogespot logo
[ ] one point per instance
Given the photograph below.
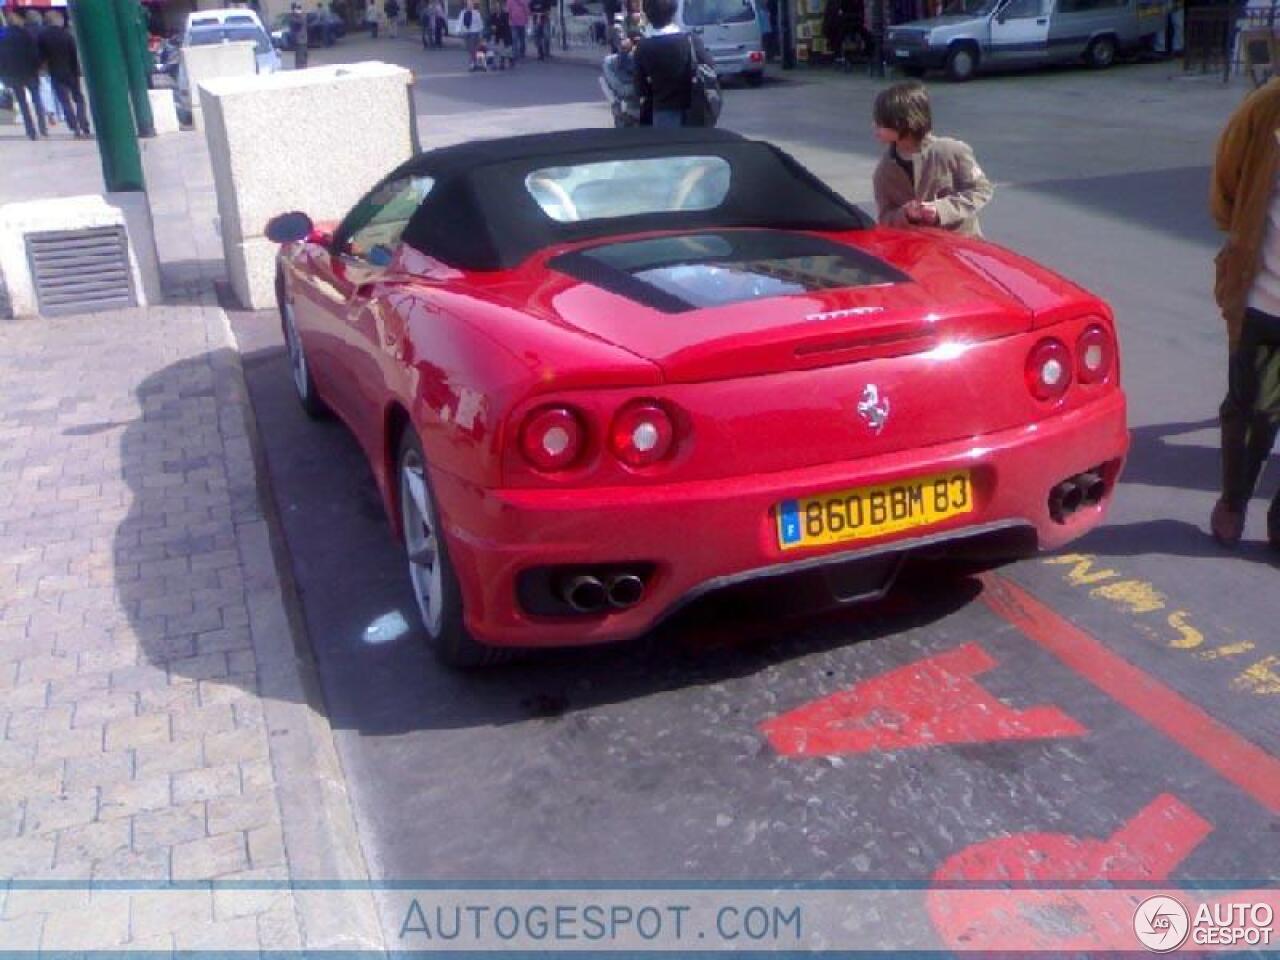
(1161, 923)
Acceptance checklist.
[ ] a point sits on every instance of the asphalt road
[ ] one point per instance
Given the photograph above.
(1130, 686)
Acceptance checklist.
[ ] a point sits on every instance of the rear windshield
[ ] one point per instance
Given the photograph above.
(686, 272)
(703, 13)
(624, 188)
(205, 36)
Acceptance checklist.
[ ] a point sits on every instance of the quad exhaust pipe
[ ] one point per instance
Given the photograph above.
(1075, 493)
(585, 593)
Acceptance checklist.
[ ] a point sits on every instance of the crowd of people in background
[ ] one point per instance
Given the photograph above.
(40, 69)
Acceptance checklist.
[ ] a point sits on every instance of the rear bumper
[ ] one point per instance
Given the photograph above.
(926, 58)
(700, 536)
(732, 65)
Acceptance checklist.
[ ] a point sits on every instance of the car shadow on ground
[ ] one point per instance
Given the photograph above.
(356, 614)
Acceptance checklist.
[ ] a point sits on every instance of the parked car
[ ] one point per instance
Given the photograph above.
(600, 373)
(223, 26)
(731, 32)
(282, 34)
(977, 34)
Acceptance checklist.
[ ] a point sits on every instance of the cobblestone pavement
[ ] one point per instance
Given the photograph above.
(157, 721)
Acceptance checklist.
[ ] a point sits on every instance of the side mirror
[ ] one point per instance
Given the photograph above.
(289, 227)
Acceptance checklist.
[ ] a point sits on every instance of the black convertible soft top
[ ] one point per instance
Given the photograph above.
(480, 215)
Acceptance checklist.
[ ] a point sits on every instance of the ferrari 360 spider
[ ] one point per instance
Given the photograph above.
(600, 373)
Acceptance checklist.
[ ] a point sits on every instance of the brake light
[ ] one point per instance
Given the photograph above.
(642, 434)
(552, 438)
(756, 56)
(1095, 355)
(1049, 370)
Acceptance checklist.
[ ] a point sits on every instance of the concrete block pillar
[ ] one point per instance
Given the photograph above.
(163, 112)
(201, 64)
(314, 140)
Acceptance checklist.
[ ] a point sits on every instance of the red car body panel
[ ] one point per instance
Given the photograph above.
(763, 396)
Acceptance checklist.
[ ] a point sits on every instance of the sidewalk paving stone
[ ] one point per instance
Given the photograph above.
(140, 603)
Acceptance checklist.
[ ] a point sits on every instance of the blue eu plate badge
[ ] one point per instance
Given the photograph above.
(789, 522)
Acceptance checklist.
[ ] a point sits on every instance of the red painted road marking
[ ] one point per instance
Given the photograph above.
(1145, 850)
(930, 702)
(1243, 763)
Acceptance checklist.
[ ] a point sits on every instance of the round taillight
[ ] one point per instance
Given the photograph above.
(1049, 370)
(1094, 355)
(642, 434)
(551, 438)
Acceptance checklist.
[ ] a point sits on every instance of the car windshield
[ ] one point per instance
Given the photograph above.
(624, 188)
(205, 36)
(970, 8)
(703, 13)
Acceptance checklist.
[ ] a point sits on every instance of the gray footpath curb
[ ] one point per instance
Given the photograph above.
(321, 839)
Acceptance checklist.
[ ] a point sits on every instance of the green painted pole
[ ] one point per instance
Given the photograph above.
(102, 63)
(134, 48)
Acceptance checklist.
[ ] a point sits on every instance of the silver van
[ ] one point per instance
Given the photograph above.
(731, 34)
(973, 34)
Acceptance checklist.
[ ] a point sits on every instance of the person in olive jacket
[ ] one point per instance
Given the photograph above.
(20, 71)
(58, 52)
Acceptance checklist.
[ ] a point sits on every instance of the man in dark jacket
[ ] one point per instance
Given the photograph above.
(60, 57)
(20, 71)
(664, 67)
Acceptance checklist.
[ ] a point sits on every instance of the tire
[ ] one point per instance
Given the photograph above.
(1101, 53)
(962, 63)
(915, 73)
(755, 79)
(304, 384)
(431, 574)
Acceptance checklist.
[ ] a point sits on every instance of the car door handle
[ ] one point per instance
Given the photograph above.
(1042, 21)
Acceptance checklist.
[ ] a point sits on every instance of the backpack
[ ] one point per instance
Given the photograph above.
(705, 97)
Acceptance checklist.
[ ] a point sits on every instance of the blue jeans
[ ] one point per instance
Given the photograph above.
(520, 39)
(668, 118)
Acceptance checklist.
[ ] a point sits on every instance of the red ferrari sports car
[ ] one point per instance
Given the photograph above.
(600, 373)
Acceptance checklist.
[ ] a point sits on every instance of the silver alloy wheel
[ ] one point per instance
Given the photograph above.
(297, 358)
(962, 64)
(421, 542)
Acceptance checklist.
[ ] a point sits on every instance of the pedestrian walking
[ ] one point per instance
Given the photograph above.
(500, 32)
(665, 62)
(371, 18)
(1244, 197)
(922, 179)
(540, 15)
(439, 22)
(472, 22)
(58, 52)
(518, 12)
(298, 37)
(392, 8)
(20, 71)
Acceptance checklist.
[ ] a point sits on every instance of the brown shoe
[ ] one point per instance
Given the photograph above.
(1226, 524)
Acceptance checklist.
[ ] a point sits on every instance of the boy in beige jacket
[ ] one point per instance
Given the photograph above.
(923, 180)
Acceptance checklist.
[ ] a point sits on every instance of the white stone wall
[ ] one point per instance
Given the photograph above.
(313, 140)
(201, 64)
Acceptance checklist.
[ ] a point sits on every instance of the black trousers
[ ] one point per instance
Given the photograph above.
(1250, 413)
(32, 111)
(67, 92)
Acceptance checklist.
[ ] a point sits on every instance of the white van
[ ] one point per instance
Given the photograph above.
(224, 26)
(730, 31)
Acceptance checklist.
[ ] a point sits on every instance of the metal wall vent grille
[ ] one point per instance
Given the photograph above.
(81, 271)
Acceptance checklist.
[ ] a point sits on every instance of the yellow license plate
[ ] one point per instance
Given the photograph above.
(874, 511)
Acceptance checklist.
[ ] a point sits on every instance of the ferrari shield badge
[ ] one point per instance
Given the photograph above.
(872, 409)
